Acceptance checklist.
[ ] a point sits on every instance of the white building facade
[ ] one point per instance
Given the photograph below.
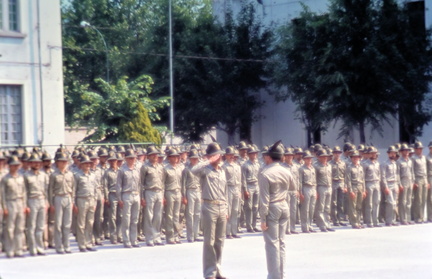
(280, 120)
(31, 74)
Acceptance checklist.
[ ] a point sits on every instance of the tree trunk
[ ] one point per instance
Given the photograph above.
(362, 132)
(231, 135)
(317, 135)
(246, 129)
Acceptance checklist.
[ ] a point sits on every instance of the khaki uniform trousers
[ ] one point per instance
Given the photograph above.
(153, 216)
(15, 225)
(251, 206)
(214, 218)
(307, 208)
(131, 207)
(323, 206)
(372, 202)
(172, 215)
(62, 222)
(292, 202)
(355, 207)
(85, 220)
(193, 213)
(98, 220)
(1, 230)
(114, 218)
(234, 199)
(36, 225)
(274, 238)
(419, 203)
(405, 199)
(337, 200)
(391, 203)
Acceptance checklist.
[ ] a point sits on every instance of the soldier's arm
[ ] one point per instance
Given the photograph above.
(51, 189)
(3, 193)
(183, 181)
(348, 179)
(243, 177)
(383, 176)
(198, 169)
(119, 184)
(301, 180)
(264, 200)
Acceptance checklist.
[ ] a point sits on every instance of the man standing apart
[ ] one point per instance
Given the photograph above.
(354, 181)
(323, 176)
(308, 193)
(274, 183)
(214, 210)
(390, 188)
(373, 193)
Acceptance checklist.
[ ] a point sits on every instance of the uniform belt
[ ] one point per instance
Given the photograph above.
(61, 195)
(174, 190)
(214, 201)
(36, 197)
(281, 200)
(323, 185)
(337, 180)
(154, 190)
(131, 192)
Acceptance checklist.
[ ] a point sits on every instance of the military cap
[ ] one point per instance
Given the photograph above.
(252, 149)
(102, 152)
(214, 149)
(321, 153)
(347, 147)
(130, 153)
(92, 154)
(61, 156)
(317, 147)
(85, 159)
(152, 150)
(430, 144)
(121, 149)
(355, 154)
(193, 146)
(112, 156)
(276, 151)
(361, 148)
(172, 152)
(307, 154)
(337, 149)
(298, 150)
(168, 148)
(392, 148)
(26, 156)
(372, 149)
(242, 146)
(229, 150)
(46, 156)
(120, 157)
(236, 153)
(397, 146)
(141, 151)
(289, 151)
(418, 144)
(14, 160)
(193, 154)
(404, 147)
(328, 151)
(34, 157)
(75, 153)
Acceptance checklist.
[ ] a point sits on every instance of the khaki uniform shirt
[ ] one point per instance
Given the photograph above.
(354, 178)
(250, 172)
(171, 177)
(109, 181)
(74, 168)
(61, 184)
(233, 174)
(12, 188)
(338, 170)
(419, 165)
(372, 171)
(405, 170)
(151, 176)
(429, 164)
(85, 186)
(36, 184)
(189, 180)
(307, 176)
(323, 174)
(274, 182)
(212, 181)
(389, 173)
(128, 181)
(294, 171)
(98, 173)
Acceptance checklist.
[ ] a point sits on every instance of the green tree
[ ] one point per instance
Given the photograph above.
(114, 106)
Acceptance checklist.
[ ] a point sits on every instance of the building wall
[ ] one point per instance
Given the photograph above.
(280, 120)
(32, 58)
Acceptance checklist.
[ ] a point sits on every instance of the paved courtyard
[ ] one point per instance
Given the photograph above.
(389, 252)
